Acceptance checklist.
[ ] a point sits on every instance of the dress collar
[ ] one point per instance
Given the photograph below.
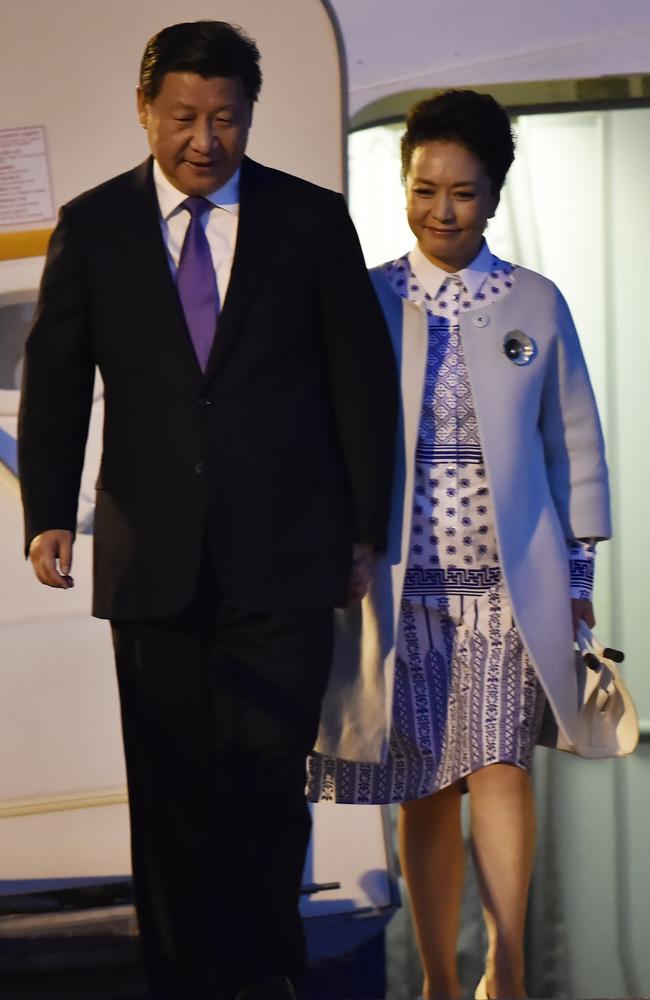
(473, 276)
(170, 198)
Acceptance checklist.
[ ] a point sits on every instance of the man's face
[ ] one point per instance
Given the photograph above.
(197, 129)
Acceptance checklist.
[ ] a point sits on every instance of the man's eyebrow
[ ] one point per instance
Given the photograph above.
(180, 104)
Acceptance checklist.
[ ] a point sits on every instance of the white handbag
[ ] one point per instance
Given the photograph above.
(607, 719)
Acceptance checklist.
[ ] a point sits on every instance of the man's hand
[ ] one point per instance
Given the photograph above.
(582, 611)
(51, 556)
(361, 571)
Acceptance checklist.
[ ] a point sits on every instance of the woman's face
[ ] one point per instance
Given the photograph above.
(449, 200)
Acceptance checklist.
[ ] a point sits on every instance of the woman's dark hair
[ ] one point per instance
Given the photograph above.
(475, 121)
(208, 48)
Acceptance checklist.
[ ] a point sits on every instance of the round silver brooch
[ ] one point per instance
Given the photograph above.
(519, 348)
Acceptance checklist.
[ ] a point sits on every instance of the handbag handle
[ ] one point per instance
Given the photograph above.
(608, 715)
(589, 644)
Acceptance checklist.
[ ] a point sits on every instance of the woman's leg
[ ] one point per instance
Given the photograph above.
(432, 859)
(503, 845)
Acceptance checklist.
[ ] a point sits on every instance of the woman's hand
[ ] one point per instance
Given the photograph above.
(582, 610)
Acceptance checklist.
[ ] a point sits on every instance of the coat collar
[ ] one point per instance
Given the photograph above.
(434, 279)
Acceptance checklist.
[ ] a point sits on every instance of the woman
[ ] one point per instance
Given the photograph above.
(506, 496)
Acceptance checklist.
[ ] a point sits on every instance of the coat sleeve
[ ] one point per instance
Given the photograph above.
(57, 391)
(362, 374)
(573, 440)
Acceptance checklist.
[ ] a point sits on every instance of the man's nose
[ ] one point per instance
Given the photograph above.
(204, 137)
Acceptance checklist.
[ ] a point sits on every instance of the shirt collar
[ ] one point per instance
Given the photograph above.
(170, 198)
(433, 277)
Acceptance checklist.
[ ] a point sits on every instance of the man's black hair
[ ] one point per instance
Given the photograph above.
(207, 48)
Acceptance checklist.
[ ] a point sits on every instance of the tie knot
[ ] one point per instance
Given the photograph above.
(197, 206)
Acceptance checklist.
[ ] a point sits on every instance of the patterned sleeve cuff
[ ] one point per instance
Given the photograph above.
(582, 556)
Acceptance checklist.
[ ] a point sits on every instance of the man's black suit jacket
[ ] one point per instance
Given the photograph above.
(279, 457)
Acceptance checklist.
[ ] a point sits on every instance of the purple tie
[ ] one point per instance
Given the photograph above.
(197, 282)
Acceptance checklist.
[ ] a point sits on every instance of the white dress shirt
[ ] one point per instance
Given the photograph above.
(220, 224)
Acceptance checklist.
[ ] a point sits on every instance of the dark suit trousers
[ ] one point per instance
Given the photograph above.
(219, 710)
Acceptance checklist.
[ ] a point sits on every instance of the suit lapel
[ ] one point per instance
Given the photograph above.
(256, 232)
(170, 346)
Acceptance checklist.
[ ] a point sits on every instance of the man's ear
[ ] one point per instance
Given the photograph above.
(141, 101)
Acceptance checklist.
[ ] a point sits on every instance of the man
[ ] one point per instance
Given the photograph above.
(250, 405)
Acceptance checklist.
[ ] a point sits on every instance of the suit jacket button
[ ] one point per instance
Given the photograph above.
(204, 402)
(200, 468)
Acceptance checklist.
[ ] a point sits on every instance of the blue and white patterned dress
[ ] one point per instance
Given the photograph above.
(466, 694)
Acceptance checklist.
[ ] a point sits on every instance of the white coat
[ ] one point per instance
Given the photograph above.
(545, 463)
